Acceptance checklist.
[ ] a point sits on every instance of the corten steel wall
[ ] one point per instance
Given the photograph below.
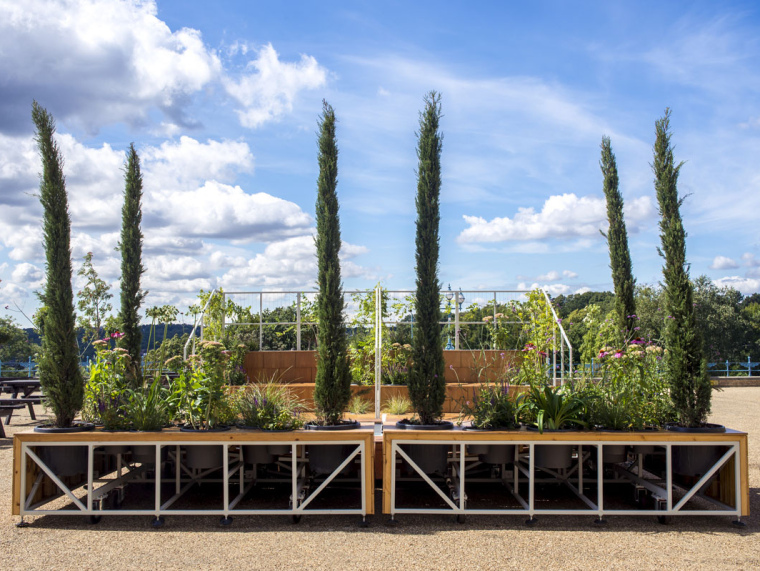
(301, 366)
(298, 369)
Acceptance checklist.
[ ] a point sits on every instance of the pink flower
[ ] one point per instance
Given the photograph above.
(618, 355)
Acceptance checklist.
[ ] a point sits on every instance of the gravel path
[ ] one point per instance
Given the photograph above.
(425, 542)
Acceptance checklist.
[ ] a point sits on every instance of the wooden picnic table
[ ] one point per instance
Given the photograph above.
(22, 395)
(15, 386)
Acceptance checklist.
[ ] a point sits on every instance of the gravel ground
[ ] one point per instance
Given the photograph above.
(329, 542)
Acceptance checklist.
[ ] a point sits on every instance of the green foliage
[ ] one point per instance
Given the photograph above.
(93, 304)
(617, 240)
(269, 406)
(567, 304)
(600, 331)
(60, 376)
(690, 386)
(198, 395)
(14, 342)
(397, 404)
(427, 387)
(538, 332)
(148, 406)
(332, 389)
(492, 407)
(553, 408)
(130, 246)
(105, 396)
(359, 405)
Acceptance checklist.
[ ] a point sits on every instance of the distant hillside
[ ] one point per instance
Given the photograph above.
(173, 330)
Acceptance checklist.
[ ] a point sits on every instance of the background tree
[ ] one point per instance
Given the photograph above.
(617, 240)
(93, 303)
(130, 247)
(60, 375)
(14, 342)
(332, 389)
(427, 389)
(690, 387)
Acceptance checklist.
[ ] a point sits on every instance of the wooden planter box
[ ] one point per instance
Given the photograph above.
(606, 493)
(107, 475)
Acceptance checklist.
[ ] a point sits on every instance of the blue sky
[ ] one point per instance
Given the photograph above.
(221, 101)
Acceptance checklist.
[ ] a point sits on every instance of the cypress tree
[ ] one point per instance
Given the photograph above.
(427, 389)
(332, 389)
(130, 246)
(60, 375)
(686, 366)
(617, 240)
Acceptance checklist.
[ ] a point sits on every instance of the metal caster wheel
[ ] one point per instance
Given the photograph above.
(158, 522)
(393, 522)
(461, 518)
(531, 522)
(663, 519)
(226, 521)
(23, 523)
(295, 519)
(363, 523)
(95, 519)
(736, 523)
(601, 522)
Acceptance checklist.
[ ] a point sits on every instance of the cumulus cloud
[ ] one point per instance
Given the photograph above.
(269, 87)
(562, 216)
(750, 260)
(551, 289)
(554, 275)
(120, 61)
(744, 285)
(28, 275)
(290, 263)
(723, 263)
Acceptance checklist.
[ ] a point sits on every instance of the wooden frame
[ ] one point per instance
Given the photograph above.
(26, 468)
(734, 483)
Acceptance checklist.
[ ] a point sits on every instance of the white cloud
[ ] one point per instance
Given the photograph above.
(551, 276)
(723, 263)
(744, 285)
(569, 274)
(268, 91)
(290, 263)
(562, 216)
(218, 210)
(120, 61)
(583, 289)
(28, 275)
(551, 289)
(188, 161)
(750, 260)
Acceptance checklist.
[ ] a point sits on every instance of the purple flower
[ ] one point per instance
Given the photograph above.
(636, 328)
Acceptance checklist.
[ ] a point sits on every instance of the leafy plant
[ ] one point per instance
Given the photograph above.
(269, 406)
(105, 397)
(93, 304)
(148, 407)
(553, 408)
(397, 404)
(359, 405)
(198, 393)
(492, 406)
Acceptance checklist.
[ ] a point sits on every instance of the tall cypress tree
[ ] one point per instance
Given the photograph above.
(130, 246)
(332, 389)
(617, 240)
(686, 366)
(60, 375)
(427, 388)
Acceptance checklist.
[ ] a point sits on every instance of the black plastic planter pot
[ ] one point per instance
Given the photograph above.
(204, 456)
(553, 456)
(431, 458)
(264, 453)
(325, 458)
(492, 453)
(696, 460)
(65, 460)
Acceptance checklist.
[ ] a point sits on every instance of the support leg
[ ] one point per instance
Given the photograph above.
(23, 523)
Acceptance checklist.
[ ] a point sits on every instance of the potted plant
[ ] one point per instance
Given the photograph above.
(147, 410)
(203, 403)
(332, 386)
(549, 408)
(427, 387)
(491, 408)
(271, 407)
(686, 366)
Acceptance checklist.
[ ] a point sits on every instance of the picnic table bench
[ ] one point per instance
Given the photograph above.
(7, 410)
(22, 395)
